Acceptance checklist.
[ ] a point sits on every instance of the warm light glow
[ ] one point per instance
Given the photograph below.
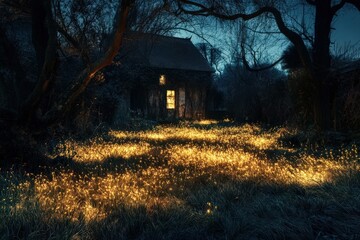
(262, 142)
(170, 99)
(168, 133)
(158, 168)
(162, 80)
(206, 122)
(96, 151)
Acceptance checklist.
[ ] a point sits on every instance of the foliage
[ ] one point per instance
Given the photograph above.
(351, 108)
(300, 89)
(256, 96)
(205, 180)
(344, 86)
(316, 63)
(347, 102)
(291, 59)
(212, 54)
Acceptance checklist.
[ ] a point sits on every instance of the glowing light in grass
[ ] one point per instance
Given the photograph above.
(262, 142)
(98, 152)
(177, 159)
(240, 165)
(73, 197)
(206, 122)
(168, 133)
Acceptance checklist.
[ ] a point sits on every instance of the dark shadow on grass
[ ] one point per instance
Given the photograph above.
(239, 209)
(35, 162)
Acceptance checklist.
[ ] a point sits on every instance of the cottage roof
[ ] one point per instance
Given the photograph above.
(163, 52)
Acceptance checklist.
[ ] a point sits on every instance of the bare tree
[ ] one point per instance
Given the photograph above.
(211, 53)
(45, 41)
(316, 63)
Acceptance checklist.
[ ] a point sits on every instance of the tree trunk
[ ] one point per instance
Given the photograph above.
(44, 42)
(9, 59)
(67, 100)
(322, 63)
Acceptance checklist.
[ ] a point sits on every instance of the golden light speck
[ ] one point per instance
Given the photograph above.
(168, 161)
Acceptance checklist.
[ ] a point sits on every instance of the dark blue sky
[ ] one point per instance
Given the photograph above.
(346, 32)
(347, 26)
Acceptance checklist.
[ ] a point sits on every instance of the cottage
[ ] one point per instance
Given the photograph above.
(161, 77)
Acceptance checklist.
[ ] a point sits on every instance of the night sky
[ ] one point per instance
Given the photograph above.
(346, 32)
(347, 27)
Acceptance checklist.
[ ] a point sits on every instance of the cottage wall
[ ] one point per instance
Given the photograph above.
(150, 65)
(195, 102)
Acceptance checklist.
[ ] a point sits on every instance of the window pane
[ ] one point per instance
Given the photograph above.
(170, 99)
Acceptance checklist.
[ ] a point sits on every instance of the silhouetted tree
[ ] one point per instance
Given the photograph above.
(317, 63)
(45, 42)
(211, 54)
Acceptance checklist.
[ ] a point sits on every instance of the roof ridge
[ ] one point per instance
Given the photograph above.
(166, 52)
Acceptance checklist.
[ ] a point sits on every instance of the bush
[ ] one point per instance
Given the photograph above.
(347, 102)
(300, 90)
(256, 96)
(275, 103)
(352, 109)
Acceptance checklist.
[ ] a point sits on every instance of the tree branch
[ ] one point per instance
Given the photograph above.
(44, 38)
(292, 36)
(82, 81)
(251, 69)
(84, 54)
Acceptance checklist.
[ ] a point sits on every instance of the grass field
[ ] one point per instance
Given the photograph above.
(186, 181)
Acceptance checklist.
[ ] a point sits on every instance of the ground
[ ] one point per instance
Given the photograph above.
(203, 180)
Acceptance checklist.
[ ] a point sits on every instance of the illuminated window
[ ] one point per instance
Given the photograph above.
(170, 99)
(162, 80)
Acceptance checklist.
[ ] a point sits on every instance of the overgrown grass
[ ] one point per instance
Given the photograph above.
(186, 181)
